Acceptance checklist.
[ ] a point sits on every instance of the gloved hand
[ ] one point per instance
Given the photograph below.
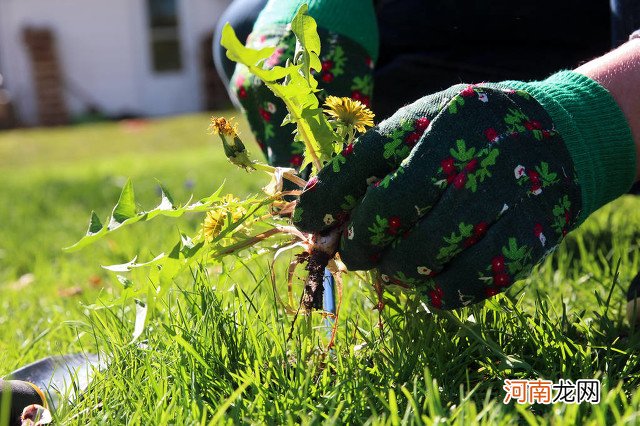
(348, 52)
(462, 192)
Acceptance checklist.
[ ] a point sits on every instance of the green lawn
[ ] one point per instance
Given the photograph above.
(215, 348)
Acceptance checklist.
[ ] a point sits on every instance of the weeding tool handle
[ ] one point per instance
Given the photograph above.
(20, 395)
(329, 298)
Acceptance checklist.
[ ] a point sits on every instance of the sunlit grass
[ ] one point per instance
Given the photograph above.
(215, 347)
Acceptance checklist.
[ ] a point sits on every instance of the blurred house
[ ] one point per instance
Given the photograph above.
(67, 58)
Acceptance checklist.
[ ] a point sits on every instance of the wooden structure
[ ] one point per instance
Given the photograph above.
(47, 77)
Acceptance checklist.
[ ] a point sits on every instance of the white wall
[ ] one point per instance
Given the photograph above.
(184, 89)
(103, 46)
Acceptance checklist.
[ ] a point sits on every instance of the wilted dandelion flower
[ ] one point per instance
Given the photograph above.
(222, 126)
(215, 220)
(349, 112)
(233, 147)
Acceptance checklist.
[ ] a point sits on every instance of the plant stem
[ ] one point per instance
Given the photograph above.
(287, 175)
(247, 243)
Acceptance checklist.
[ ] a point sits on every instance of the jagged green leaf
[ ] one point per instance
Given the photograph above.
(126, 267)
(293, 83)
(306, 31)
(162, 210)
(320, 127)
(126, 282)
(252, 58)
(181, 256)
(141, 318)
(94, 224)
(237, 52)
(126, 206)
(166, 201)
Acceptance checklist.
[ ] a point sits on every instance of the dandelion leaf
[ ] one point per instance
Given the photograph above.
(125, 208)
(293, 83)
(306, 31)
(95, 225)
(125, 213)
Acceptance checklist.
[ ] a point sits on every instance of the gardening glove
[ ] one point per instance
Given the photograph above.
(349, 48)
(462, 192)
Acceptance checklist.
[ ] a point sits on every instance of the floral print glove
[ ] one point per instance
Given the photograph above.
(346, 71)
(461, 193)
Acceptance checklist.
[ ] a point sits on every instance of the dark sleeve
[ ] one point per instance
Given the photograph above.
(241, 14)
(625, 19)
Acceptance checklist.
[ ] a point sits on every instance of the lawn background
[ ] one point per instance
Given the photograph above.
(216, 350)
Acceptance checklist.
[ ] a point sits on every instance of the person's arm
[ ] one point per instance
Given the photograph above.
(462, 192)
(354, 19)
(619, 72)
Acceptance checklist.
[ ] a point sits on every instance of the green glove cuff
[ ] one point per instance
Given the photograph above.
(355, 19)
(595, 132)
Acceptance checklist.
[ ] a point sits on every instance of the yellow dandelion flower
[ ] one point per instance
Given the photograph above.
(215, 220)
(349, 112)
(222, 126)
(229, 199)
(212, 225)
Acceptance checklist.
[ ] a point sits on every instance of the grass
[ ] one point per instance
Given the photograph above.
(215, 349)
